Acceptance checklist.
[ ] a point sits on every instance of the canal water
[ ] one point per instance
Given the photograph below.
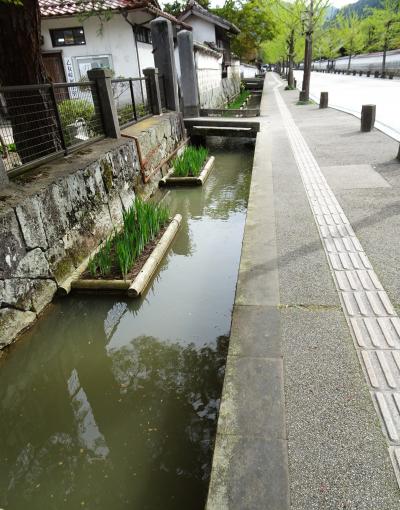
(109, 403)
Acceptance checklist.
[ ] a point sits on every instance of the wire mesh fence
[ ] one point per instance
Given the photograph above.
(38, 121)
(78, 112)
(130, 96)
(28, 126)
(42, 121)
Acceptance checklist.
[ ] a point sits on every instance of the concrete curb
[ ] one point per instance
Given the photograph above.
(250, 463)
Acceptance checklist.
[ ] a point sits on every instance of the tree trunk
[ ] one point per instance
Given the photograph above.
(291, 56)
(385, 47)
(305, 92)
(30, 114)
(349, 63)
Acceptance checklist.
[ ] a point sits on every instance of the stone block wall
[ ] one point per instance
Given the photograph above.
(215, 91)
(157, 137)
(54, 216)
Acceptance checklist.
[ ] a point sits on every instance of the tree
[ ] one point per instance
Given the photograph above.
(329, 42)
(177, 6)
(255, 20)
(385, 23)
(350, 34)
(289, 16)
(21, 63)
(312, 17)
(368, 30)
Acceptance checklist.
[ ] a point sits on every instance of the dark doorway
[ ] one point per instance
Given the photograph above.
(54, 67)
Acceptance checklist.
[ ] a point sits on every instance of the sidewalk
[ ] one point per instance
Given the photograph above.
(308, 411)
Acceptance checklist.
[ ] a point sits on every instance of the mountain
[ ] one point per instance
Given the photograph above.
(331, 12)
(360, 6)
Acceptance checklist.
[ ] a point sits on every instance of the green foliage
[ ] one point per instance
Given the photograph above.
(141, 224)
(190, 162)
(350, 33)
(327, 41)
(290, 25)
(367, 25)
(125, 113)
(72, 109)
(241, 98)
(382, 26)
(255, 20)
(10, 147)
(177, 6)
(95, 8)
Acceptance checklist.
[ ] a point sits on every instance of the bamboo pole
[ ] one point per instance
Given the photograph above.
(64, 288)
(206, 170)
(188, 181)
(141, 281)
(101, 284)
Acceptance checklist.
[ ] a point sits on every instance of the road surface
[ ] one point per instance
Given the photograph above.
(349, 93)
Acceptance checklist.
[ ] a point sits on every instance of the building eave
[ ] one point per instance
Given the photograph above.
(194, 9)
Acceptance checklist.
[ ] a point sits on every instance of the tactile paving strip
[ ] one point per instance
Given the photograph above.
(372, 319)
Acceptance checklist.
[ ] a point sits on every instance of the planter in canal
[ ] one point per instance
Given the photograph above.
(190, 169)
(127, 261)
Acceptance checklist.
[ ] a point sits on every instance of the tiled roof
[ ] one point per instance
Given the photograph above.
(65, 7)
(50, 8)
(194, 7)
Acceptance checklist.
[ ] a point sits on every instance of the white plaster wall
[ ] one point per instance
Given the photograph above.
(209, 79)
(248, 71)
(215, 91)
(145, 55)
(177, 62)
(203, 31)
(117, 41)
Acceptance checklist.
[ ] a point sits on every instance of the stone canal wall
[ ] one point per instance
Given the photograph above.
(214, 89)
(52, 218)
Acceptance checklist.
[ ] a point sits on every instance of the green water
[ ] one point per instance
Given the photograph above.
(109, 403)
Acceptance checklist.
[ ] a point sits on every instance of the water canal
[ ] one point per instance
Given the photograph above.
(109, 403)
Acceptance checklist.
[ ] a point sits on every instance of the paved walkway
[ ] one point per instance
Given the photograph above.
(349, 93)
(310, 410)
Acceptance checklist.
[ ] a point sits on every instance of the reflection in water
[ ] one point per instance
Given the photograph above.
(89, 435)
(111, 403)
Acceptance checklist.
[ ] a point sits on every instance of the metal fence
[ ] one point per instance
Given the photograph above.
(131, 101)
(40, 121)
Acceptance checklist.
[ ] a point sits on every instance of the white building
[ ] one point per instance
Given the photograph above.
(218, 71)
(208, 27)
(74, 41)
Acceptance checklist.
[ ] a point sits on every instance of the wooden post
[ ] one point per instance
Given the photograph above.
(323, 100)
(164, 59)
(153, 89)
(368, 112)
(103, 89)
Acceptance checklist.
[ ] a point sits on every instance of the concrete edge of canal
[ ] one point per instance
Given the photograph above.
(250, 463)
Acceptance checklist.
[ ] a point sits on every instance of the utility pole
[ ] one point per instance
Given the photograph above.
(308, 31)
